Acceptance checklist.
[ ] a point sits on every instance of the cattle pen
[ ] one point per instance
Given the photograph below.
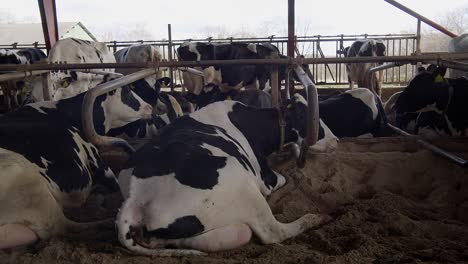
(390, 198)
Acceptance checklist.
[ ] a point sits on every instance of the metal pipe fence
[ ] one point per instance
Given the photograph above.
(316, 46)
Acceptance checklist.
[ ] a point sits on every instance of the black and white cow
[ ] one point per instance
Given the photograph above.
(149, 88)
(201, 184)
(50, 165)
(229, 77)
(14, 89)
(65, 84)
(432, 105)
(357, 72)
(251, 97)
(356, 112)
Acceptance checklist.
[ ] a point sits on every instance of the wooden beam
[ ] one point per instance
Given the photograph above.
(49, 22)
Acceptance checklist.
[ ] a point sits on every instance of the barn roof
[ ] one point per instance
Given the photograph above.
(32, 32)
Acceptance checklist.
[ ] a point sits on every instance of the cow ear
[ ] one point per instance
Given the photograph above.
(380, 49)
(345, 51)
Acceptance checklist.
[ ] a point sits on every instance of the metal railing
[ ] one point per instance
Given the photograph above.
(316, 46)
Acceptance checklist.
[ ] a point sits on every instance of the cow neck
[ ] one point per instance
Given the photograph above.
(71, 108)
(260, 127)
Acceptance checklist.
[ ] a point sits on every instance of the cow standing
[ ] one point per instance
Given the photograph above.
(14, 89)
(68, 83)
(229, 77)
(358, 72)
(149, 88)
(201, 184)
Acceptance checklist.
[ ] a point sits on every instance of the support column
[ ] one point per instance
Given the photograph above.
(49, 22)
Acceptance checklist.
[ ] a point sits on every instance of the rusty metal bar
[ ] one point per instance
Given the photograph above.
(291, 31)
(435, 149)
(169, 51)
(49, 22)
(286, 61)
(313, 119)
(88, 107)
(422, 18)
(291, 47)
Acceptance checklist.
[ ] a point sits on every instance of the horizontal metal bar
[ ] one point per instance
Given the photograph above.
(20, 75)
(454, 65)
(192, 70)
(286, 61)
(385, 66)
(116, 74)
(435, 149)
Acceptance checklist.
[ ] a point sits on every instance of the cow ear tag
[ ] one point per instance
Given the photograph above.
(439, 78)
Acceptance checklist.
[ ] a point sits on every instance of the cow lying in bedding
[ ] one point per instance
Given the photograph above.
(200, 185)
(46, 164)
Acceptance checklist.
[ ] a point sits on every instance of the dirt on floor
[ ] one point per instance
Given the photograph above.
(391, 202)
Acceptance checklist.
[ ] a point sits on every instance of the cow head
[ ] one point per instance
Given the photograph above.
(122, 106)
(295, 116)
(427, 91)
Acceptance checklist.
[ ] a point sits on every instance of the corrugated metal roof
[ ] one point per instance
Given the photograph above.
(30, 33)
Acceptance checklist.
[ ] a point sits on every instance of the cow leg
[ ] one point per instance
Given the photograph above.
(261, 220)
(223, 238)
(15, 235)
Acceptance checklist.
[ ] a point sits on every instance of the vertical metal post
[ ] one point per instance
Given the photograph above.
(49, 22)
(169, 47)
(45, 86)
(291, 44)
(274, 83)
(418, 42)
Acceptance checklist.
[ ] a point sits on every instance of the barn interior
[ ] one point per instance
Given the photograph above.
(394, 199)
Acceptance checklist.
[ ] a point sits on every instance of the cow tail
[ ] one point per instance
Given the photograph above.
(131, 215)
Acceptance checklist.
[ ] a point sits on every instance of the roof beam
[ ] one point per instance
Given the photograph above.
(49, 22)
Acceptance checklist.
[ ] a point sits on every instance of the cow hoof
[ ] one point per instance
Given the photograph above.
(317, 220)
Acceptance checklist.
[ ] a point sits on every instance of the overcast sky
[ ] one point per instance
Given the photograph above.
(192, 19)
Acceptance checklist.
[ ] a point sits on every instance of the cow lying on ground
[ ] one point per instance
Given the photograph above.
(68, 83)
(228, 77)
(251, 97)
(201, 184)
(14, 89)
(357, 72)
(354, 113)
(433, 106)
(48, 164)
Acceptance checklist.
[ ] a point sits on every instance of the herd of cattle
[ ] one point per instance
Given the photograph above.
(199, 180)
